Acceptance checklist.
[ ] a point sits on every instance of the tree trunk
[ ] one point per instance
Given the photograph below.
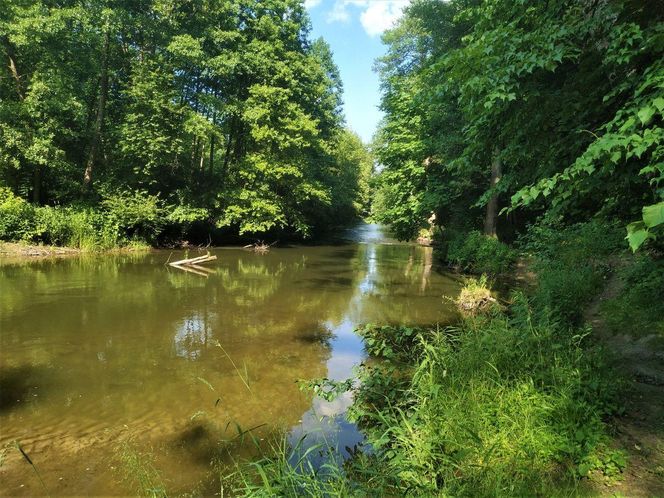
(212, 140)
(101, 109)
(13, 67)
(492, 205)
(36, 185)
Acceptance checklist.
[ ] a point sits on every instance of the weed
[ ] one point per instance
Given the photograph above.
(140, 471)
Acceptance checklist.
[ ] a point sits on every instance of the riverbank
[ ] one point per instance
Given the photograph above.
(18, 250)
(533, 399)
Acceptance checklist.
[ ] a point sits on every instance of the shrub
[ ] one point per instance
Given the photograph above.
(571, 265)
(503, 406)
(134, 215)
(16, 216)
(478, 253)
(639, 308)
(394, 343)
(79, 228)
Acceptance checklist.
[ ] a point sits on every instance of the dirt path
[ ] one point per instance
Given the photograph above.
(640, 431)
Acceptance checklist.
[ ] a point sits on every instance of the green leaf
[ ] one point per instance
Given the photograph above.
(637, 234)
(653, 215)
(659, 103)
(645, 114)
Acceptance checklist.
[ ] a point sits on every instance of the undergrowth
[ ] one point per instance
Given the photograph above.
(638, 310)
(120, 220)
(476, 253)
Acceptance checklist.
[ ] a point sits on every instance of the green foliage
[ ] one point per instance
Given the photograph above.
(571, 265)
(640, 231)
(16, 216)
(639, 308)
(501, 407)
(478, 253)
(228, 107)
(507, 404)
(327, 389)
(399, 344)
(577, 129)
(134, 215)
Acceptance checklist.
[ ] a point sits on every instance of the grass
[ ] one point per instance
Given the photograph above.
(139, 471)
(508, 404)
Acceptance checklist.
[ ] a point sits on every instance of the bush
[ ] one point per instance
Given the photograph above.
(79, 228)
(639, 309)
(123, 219)
(571, 266)
(135, 215)
(502, 406)
(477, 253)
(16, 216)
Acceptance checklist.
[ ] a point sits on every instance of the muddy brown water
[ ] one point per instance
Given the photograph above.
(97, 352)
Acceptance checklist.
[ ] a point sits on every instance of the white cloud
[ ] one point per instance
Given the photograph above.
(310, 4)
(376, 15)
(381, 15)
(340, 12)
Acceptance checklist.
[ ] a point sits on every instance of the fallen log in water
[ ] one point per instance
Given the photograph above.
(192, 264)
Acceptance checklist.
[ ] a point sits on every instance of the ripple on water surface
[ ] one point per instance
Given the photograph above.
(96, 351)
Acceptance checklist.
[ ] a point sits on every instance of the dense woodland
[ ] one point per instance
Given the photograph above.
(221, 113)
(528, 109)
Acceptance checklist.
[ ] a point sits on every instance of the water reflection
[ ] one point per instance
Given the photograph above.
(110, 348)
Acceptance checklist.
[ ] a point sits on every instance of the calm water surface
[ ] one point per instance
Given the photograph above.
(99, 350)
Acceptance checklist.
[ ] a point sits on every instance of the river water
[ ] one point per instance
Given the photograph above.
(103, 353)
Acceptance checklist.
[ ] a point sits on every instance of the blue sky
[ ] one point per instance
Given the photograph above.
(353, 29)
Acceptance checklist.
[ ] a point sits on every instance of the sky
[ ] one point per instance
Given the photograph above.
(353, 29)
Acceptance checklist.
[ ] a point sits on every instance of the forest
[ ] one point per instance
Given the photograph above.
(522, 140)
(160, 121)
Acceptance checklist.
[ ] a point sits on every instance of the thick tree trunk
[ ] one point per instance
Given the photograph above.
(101, 109)
(492, 205)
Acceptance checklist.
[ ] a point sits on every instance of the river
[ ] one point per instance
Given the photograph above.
(101, 351)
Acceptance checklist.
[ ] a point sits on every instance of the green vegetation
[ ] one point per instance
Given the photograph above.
(171, 121)
(511, 128)
(546, 110)
(511, 401)
(476, 253)
(638, 310)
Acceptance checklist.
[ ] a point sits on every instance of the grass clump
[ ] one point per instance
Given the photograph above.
(476, 253)
(476, 298)
(138, 469)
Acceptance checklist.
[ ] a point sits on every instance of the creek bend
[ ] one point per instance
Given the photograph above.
(96, 350)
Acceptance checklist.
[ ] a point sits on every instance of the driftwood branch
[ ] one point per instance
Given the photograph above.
(193, 264)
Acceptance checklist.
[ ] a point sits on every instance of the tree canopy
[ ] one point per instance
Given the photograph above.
(224, 108)
(565, 98)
